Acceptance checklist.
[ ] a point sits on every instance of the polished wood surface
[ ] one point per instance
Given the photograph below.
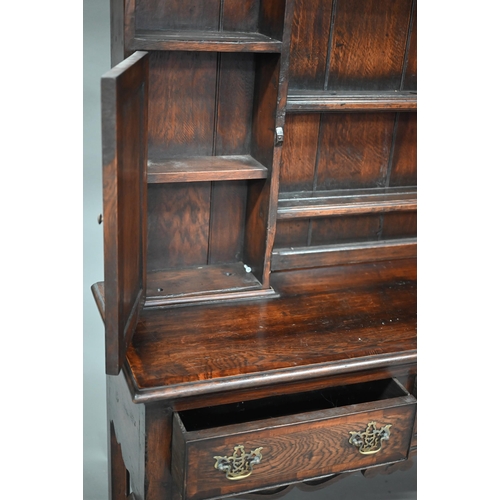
(124, 134)
(260, 221)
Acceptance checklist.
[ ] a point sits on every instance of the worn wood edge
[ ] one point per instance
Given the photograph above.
(208, 298)
(98, 293)
(251, 169)
(263, 379)
(303, 102)
(157, 40)
(301, 211)
(333, 255)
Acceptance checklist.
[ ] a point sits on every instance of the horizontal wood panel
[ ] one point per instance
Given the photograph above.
(205, 168)
(333, 255)
(217, 347)
(210, 41)
(199, 280)
(321, 101)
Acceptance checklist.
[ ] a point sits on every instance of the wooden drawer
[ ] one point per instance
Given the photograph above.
(245, 446)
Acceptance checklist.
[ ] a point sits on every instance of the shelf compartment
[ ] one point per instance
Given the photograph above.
(307, 101)
(302, 205)
(205, 168)
(210, 41)
(202, 283)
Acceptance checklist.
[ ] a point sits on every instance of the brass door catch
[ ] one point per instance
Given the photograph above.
(369, 441)
(240, 464)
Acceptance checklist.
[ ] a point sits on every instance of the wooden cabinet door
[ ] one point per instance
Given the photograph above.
(124, 149)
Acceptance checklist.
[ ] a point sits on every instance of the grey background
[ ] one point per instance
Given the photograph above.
(96, 61)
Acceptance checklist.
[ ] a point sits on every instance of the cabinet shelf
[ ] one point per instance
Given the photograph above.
(306, 101)
(197, 40)
(346, 202)
(201, 284)
(205, 168)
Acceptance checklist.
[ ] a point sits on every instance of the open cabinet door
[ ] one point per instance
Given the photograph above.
(124, 145)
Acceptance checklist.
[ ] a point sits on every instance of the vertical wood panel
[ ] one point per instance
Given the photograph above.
(177, 14)
(235, 104)
(354, 150)
(227, 224)
(369, 44)
(410, 76)
(404, 163)
(309, 43)
(291, 233)
(181, 103)
(241, 15)
(178, 225)
(328, 231)
(299, 152)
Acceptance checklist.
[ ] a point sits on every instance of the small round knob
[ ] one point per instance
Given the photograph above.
(99, 219)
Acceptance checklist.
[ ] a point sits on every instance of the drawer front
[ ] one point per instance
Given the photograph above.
(291, 450)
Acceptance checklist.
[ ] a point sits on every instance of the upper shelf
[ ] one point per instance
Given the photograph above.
(205, 168)
(320, 101)
(212, 41)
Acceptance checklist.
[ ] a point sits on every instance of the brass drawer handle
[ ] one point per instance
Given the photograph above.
(240, 464)
(370, 441)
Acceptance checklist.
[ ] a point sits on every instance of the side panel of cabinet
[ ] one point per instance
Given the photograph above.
(124, 143)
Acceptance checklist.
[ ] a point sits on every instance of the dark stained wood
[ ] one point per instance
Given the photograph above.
(403, 225)
(410, 74)
(227, 222)
(299, 152)
(127, 421)
(404, 162)
(205, 168)
(321, 101)
(235, 91)
(124, 93)
(178, 225)
(272, 269)
(259, 226)
(343, 230)
(291, 233)
(352, 253)
(181, 104)
(320, 440)
(309, 43)
(253, 338)
(208, 41)
(354, 150)
(345, 202)
(369, 43)
(241, 15)
(177, 15)
(199, 280)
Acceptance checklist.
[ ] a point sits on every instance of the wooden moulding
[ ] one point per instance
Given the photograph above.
(333, 255)
(346, 202)
(308, 101)
(197, 40)
(205, 168)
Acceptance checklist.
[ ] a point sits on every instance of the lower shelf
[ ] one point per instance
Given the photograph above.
(203, 283)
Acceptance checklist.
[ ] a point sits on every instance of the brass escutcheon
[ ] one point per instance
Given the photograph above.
(240, 464)
(370, 440)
